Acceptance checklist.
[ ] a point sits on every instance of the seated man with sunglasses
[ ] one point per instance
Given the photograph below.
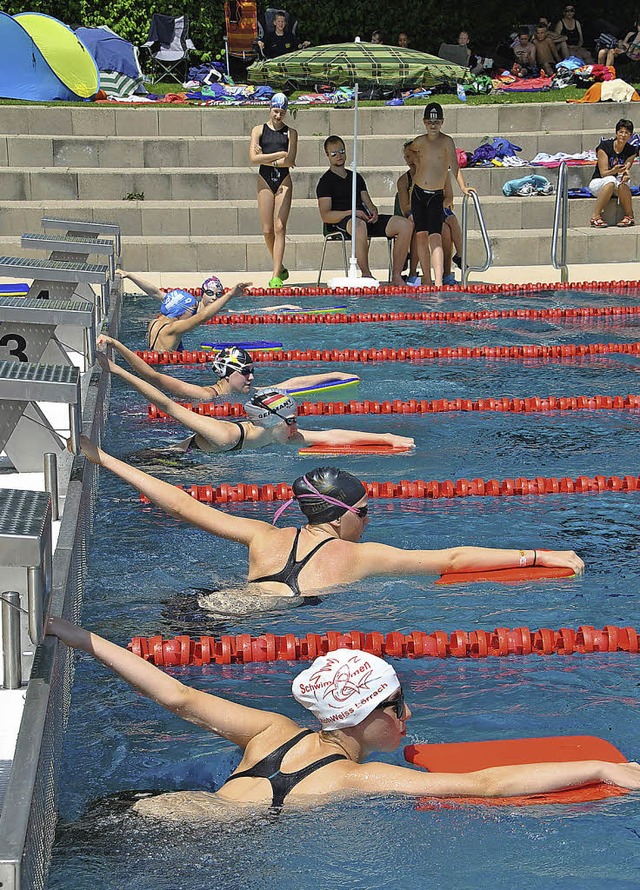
(334, 194)
(271, 420)
(180, 311)
(233, 365)
(358, 700)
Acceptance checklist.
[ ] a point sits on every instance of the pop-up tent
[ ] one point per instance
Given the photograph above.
(43, 60)
(117, 61)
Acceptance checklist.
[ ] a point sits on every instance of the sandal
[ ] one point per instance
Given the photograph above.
(626, 221)
(597, 222)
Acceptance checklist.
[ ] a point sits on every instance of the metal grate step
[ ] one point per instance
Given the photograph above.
(27, 382)
(17, 309)
(54, 270)
(25, 523)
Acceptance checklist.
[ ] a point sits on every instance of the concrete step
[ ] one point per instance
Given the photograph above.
(503, 119)
(240, 218)
(227, 184)
(511, 247)
(233, 151)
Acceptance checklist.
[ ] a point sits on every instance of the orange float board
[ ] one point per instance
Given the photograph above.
(529, 573)
(353, 449)
(463, 757)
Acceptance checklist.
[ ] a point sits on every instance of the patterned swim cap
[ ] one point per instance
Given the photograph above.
(212, 287)
(279, 100)
(230, 359)
(177, 302)
(270, 407)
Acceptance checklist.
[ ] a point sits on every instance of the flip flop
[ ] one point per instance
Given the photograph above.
(626, 221)
(597, 222)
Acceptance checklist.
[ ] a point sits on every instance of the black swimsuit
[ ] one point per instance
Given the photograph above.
(282, 783)
(291, 571)
(427, 207)
(179, 347)
(271, 141)
(193, 445)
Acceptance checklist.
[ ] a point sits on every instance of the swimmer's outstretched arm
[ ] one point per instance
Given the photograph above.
(175, 502)
(314, 380)
(146, 286)
(354, 437)
(205, 312)
(497, 781)
(219, 433)
(381, 559)
(237, 723)
(176, 387)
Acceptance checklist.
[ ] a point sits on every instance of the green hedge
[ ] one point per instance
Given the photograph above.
(427, 22)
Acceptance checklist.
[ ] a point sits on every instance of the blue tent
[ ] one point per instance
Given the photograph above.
(43, 60)
(111, 53)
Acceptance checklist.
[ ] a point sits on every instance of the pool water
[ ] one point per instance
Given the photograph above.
(145, 568)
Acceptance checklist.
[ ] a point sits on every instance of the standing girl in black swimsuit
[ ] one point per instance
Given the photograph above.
(273, 146)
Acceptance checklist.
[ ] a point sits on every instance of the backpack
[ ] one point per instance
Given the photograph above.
(481, 85)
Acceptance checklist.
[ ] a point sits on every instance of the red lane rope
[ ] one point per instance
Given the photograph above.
(391, 290)
(452, 317)
(243, 648)
(528, 405)
(386, 354)
(431, 490)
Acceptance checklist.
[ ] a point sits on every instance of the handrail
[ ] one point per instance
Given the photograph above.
(483, 231)
(560, 219)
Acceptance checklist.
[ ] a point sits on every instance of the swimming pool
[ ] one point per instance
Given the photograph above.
(143, 568)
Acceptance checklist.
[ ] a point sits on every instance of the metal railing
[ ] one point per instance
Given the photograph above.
(560, 223)
(483, 232)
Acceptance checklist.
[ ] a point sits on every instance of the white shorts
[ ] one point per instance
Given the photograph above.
(596, 185)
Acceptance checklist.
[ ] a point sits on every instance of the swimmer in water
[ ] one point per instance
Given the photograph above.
(359, 702)
(327, 552)
(180, 311)
(233, 365)
(271, 420)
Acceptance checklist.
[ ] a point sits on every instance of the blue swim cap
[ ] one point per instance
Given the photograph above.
(279, 100)
(176, 303)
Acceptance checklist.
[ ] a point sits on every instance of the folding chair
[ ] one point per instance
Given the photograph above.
(330, 234)
(241, 22)
(169, 46)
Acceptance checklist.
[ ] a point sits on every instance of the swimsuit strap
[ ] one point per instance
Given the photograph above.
(282, 783)
(290, 572)
(240, 442)
(160, 329)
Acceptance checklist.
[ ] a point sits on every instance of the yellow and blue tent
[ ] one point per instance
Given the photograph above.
(43, 60)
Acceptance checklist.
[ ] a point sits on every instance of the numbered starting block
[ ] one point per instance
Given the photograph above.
(29, 428)
(47, 331)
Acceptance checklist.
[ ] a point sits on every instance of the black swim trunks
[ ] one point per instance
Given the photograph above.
(378, 229)
(427, 207)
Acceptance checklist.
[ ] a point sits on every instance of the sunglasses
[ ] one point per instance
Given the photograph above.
(338, 151)
(397, 703)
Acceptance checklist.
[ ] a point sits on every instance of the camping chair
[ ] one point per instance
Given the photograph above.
(331, 234)
(241, 22)
(169, 46)
(454, 53)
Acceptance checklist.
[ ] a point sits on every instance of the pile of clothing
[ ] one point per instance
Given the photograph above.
(527, 186)
(492, 152)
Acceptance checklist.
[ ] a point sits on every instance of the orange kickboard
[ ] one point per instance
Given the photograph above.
(463, 757)
(353, 449)
(529, 573)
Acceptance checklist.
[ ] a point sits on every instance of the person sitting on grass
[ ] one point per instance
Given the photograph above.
(234, 367)
(359, 703)
(271, 420)
(180, 311)
(612, 175)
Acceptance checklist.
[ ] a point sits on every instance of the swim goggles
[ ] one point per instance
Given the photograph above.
(397, 703)
(290, 421)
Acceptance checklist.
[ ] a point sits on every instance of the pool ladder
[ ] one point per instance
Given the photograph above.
(466, 268)
(560, 223)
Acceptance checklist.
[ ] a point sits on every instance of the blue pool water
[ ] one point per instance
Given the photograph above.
(144, 568)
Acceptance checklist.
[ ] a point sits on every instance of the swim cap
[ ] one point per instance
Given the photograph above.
(176, 303)
(269, 407)
(345, 686)
(326, 493)
(433, 112)
(279, 100)
(230, 359)
(212, 287)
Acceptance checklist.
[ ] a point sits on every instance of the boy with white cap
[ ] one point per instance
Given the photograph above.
(358, 699)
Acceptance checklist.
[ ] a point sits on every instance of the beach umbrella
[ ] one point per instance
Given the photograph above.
(357, 64)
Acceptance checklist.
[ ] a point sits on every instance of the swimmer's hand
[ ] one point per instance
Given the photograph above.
(121, 274)
(88, 449)
(400, 441)
(560, 559)
(469, 190)
(103, 341)
(624, 775)
(240, 290)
